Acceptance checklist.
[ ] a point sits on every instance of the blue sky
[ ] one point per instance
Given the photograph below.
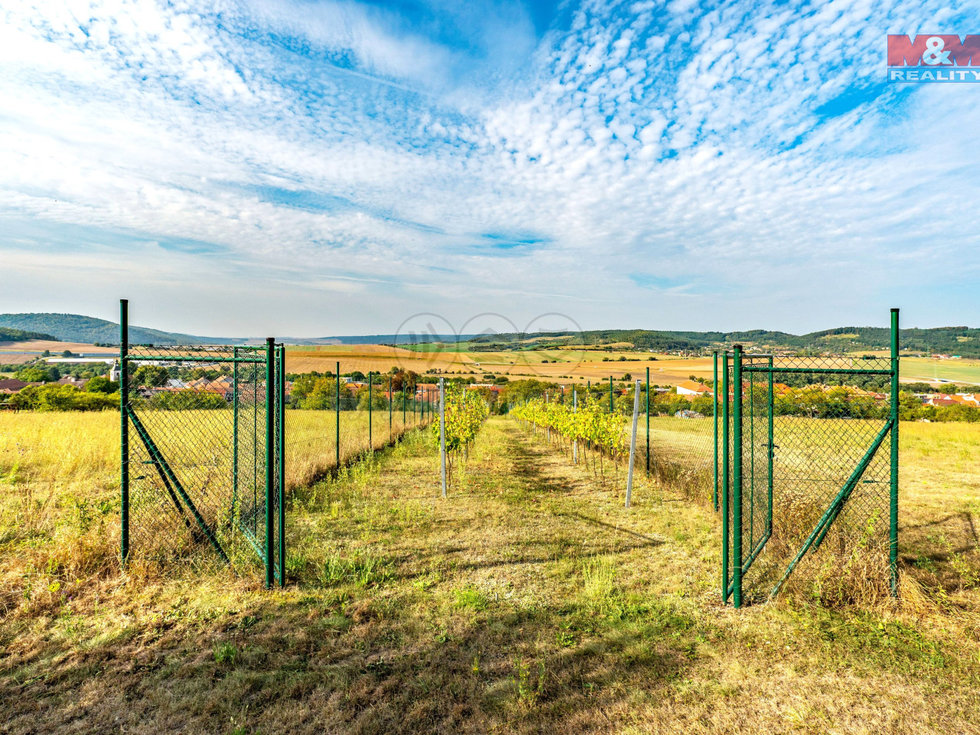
(315, 168)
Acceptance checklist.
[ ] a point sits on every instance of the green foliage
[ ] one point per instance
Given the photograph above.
(603, 431)
(465, 413)
(186, 400)
(319, 392)
(362, 570)
(38, 374)
(54, 397)
(150, 376)
(519, 391)
(8, 334)
(101, 384)
(225, 653)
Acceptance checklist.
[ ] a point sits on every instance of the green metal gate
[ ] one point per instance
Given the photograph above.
(202, 437)
(808, 450)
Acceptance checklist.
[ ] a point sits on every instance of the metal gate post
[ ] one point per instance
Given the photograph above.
(124, 427)
(772, 449)
(737, 476)
(893, 488)
(648, 430)
(726, 485)
(337, 412)
(270, 427)
(281, 461)
(234, 433)
(714, 417)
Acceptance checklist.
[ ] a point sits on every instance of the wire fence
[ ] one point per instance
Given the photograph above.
(214, 439)
(798, 453)
(202, 451)
(811, 477)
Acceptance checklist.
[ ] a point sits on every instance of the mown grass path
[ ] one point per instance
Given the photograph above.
(530, 600)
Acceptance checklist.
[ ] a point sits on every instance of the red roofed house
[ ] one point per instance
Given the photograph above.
(12, 385)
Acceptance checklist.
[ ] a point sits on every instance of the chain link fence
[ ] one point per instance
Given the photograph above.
(798, 453)
(214, 438)
(809, 477)
(202, 436)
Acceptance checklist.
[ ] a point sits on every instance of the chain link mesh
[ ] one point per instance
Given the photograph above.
(815, 482)
(198, 452)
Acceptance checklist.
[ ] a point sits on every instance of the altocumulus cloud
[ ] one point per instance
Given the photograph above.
(332, 167)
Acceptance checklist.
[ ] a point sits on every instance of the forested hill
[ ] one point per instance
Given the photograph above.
(963, 341)
(19, 335)
(77, 328)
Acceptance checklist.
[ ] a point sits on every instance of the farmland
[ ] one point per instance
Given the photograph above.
(528, 601)
(581, 363)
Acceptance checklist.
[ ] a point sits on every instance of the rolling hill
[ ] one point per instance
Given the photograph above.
(77, 328)
(19, 335)
(963, 341)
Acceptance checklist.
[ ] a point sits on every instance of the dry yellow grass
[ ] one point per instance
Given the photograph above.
(530, 601)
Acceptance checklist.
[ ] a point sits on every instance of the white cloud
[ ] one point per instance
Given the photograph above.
(693, 152)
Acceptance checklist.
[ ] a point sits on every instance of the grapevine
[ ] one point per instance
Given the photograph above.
(607, 434)
(465, 413)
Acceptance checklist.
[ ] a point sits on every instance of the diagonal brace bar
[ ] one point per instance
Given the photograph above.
(165, 471)
(835, 507)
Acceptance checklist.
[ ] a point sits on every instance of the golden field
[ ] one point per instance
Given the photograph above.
(557, 365)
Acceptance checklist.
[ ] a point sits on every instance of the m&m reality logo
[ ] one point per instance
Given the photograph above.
(933, 58)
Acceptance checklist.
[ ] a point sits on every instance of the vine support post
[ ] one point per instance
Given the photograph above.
(636, 414)
(575, 440)
(648, 419)
(442, 431)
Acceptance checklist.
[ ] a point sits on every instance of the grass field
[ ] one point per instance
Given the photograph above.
(529, 601)
(928, 370)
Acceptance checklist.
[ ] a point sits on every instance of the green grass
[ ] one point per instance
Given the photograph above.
(928, 370)
(528, 601)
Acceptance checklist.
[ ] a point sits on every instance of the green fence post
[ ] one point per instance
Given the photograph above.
(390, 396)
(648, 420)
(281, 463)
(234, 433)
(737, 476)
(370, 409)
(772, 449)
(714, 419)
(611, 406)
(725, 484)
(404, 400)
(893, 485)
(337, 411)
(270, 428)
(124, 427)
